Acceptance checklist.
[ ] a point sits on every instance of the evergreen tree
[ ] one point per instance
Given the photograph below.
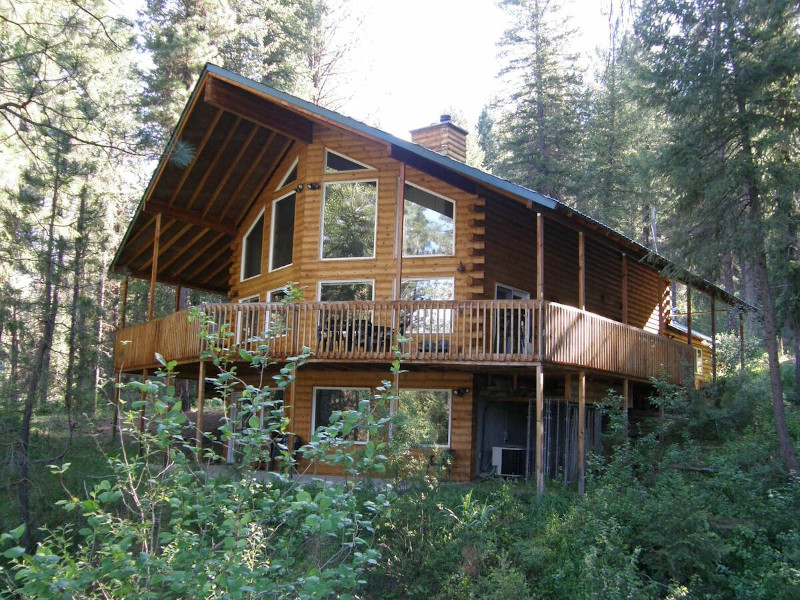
(538, 129)
(727, 75)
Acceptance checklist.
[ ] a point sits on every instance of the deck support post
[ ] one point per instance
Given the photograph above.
(118, 377)
(539, 430)
(624, 289)
(528, 440)
(581, 430)
(201, 407)
(151, 304)
(581, 272)
(713, 338)
(741, 340)
(144, 398)
(178, 290)
(625, 403)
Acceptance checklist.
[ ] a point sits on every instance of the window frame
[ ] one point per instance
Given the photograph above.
(315, 425)
(283, 182)
(395, 404)
(325, 171)
(325, 186)
(444, 316)
(244, 247)
(403, 241)
(272, 231)
(322, 282)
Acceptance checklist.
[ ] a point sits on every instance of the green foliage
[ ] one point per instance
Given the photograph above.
(165, 526)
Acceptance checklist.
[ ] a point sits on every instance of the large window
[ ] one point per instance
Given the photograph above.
(428, 225)
(290, 177)
(422, 417)
(329, 400)
(282, 232)
(251, 249)
(345, 291)
(428, 319)
(348, 219)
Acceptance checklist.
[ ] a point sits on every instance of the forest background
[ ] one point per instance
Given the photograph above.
(681, 132)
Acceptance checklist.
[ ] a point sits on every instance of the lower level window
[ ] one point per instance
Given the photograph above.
(329, 400)
(422, 417)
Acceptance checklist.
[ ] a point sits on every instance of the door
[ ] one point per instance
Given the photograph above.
(511, 331)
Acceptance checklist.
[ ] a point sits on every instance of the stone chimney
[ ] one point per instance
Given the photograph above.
(443, 137)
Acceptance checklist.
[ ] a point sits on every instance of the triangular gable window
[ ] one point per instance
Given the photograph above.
(290, 177)
(339, 163)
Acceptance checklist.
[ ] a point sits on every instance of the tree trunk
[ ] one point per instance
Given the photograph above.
(98, 334)
(77, 269)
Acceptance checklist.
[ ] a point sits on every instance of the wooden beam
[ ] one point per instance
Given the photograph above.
(398, 233)
(184, 249)
(624, 289)
(581, 432)
(229, 170)
(201, 398)
(222, 146)
(688, 315)
(123, 308)
(210, 260)
(539, 256)
(145, 247)
(199, 253)
(169, 243)
(246, 177)
(151, 304)
(539, 430)
(581, 272)
(178, 290)
(196, 285)
(202, 144)
(258, 110)
(713, 338)
(741, 340)
(186, 215)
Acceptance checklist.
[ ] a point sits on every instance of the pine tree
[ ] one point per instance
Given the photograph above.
(538, 128)
(727, 75)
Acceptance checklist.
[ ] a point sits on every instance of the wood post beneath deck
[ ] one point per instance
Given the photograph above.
(741, 340)
(201, 405)
(713, 338)
(539, 459)
(689, 315)
(144, 398)
(581, 432)
(625, 403)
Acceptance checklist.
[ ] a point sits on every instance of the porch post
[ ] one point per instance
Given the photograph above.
(398, 234)
(201, 407)
(624, 289)
(118, 376)
(540, 286)
(151, 305)
(625, 403)
(539, 430)
(581, 273)
(741, 340)
(713, 338)
(581, 430)
(178, 290)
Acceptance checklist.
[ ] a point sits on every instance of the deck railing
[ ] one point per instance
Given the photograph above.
(488, 332)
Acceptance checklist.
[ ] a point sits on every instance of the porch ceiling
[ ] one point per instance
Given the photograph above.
(236, 142)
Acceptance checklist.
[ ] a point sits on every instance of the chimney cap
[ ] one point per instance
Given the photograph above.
(445, 119)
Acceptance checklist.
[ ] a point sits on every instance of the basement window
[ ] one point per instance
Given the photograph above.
(329, 400)
(251, 249)
(282, 232)
(428, 223)
(348, 220)
(339, 163)
(422, 418)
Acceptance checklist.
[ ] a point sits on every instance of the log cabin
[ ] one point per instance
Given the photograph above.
(522, 312)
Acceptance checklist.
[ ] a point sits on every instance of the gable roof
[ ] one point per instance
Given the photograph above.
(241, 130)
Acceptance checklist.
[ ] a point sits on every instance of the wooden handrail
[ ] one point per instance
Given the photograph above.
(490, 332)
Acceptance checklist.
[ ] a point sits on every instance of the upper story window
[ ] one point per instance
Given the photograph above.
(339, 163)
(428, 223)
(290, 177)
(348, 219)
(251, 249)
(282, 232)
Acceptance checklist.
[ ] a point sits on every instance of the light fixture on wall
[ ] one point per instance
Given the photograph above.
(461, 268)
(461, 391)
(299, 188)
(313, 186)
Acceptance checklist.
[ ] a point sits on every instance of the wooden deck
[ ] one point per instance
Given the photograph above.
(477, 332)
